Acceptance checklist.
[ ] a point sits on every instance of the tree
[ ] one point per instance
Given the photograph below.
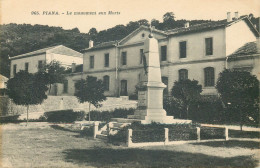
(90, 90)
(53, 73)
(27, 89)
(239, 91)
(155, 23)
(168, 16)
(187, 91)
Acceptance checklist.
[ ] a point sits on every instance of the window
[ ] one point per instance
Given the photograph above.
(209, 46)
(183, 74)
(183, 50)
(209, 76)
(107, 60)
(124, 58)
(141, 55)
(65, 86)
(139, 77)
(106, 82)
(26, 66)
(163, 53)
(40, 65)
(14, 69)
(91, 61)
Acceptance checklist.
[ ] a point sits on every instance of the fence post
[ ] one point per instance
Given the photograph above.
(226, 133)
(198, 133)
(95, 129)
(166, 135)
(129, 137)
(109, 125)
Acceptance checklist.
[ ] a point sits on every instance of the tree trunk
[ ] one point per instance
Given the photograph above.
(241, 120)
(89, 111)
(187, 111)
(27, 115)
(50, 89)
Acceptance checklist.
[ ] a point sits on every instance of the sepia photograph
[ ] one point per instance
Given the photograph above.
(138, 84)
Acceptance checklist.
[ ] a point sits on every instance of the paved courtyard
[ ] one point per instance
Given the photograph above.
(48, 145)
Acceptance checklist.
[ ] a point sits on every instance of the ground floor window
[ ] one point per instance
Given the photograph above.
(183, 74)
(106, 82)
(209, 76)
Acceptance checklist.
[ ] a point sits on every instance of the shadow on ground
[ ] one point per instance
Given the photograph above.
(57, 127)
(107, 157)
(231, 144)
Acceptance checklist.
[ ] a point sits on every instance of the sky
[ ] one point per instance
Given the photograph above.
(23, 11)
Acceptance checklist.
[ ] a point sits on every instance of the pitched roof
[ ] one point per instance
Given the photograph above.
(59, 49)
(210, 26)
(102, 45)
(247, 49)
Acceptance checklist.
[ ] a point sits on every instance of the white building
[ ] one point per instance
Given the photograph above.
(33, 61)
(197, 52)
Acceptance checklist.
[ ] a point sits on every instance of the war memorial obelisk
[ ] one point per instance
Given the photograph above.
(150, 89)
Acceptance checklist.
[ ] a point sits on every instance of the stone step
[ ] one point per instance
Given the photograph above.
(125, 120)
(101, 136)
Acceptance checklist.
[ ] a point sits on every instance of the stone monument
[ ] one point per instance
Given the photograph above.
(150, 89)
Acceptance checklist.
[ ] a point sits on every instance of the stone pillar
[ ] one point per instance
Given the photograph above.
(150, 91)
(198, 133)
(95, 129)
(226, 134)
(166, 134)
(129, 137)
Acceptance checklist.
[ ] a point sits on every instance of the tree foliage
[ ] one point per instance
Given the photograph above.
(27, 89)
(187, 91)
(53, 72)
(90, 90)
(239, 91)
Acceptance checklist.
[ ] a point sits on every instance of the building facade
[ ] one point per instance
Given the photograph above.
(33, 61)
(197, 52)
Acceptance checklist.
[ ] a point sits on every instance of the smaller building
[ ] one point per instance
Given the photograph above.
(33, 61)
(3, 81)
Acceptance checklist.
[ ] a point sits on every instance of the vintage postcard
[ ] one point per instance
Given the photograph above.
(120, 83)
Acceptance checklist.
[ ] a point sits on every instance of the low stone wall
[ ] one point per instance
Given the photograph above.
(52, 103)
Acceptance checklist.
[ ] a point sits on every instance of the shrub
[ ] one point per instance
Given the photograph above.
(67, 116)
(212, 133)
(243, 134)
(107, 115)
(154, 132)
(9, 119)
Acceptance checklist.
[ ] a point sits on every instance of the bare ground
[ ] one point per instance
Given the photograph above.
(45, 145)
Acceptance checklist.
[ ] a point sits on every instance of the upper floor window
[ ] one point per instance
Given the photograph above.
(141, 55)
(14, 69)
(65, 86)
(91, 61)
(40, 65)
(183, 49)
(209, 76)
(209, 46)
(183, 74)
(163, 53)
(106, 60)
(26, 66)
(124, 58)
(106, 82)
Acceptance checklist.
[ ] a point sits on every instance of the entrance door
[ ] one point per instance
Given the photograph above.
(123, 91)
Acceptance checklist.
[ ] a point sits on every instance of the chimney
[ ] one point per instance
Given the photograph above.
(73, 67)
(187, 24)
(236, 15)
(90, 44)
(229, 17)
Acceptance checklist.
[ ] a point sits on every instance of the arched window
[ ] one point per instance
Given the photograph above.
(209, 76)
(106, 82)
(183, 74)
